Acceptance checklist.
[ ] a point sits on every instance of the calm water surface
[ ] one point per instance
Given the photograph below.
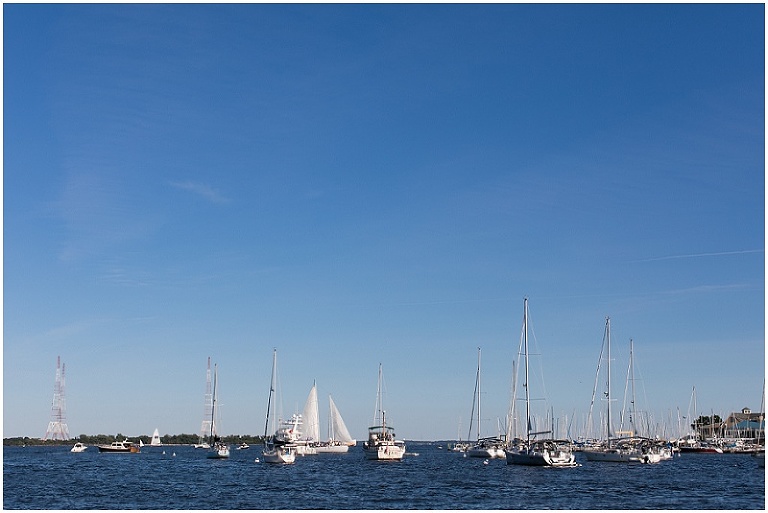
(182, 478)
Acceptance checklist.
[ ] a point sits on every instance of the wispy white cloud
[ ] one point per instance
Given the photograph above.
(201, 189)
(706, 289)
(701, 255)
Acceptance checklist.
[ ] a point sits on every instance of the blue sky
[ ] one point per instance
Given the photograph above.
(356, 184)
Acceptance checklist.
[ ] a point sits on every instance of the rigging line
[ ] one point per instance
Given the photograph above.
(594, 388)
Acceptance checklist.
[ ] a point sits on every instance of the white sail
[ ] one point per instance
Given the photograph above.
(339, 429)
(155, 438)
(311, 416)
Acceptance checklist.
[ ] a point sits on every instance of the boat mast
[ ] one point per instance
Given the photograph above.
(633, 411)
(271, 391)
(378, 413)
(761, 417)
(525, 383)
(478, 394)
(608, 393)
(213, 404)
(695, 418)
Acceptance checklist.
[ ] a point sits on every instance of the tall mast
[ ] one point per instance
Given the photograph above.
(633, 411)
(695, 418)
(478, 394)
(608, 393)
(213, 403)
(525, 383)
(378, 413)
(761, 417)
(271, 390)
(381, 400)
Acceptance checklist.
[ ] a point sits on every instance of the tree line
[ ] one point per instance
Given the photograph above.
(181, 439)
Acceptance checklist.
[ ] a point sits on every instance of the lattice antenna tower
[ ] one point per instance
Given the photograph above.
(205, 429)
(57, 427)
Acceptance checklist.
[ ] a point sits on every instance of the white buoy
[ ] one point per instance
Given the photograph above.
(256, 460)
(174, 454)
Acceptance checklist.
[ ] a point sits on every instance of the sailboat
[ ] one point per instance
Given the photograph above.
(488, 447)
(156, 439)
(695, 443)
(339, 439)
(218, 449)
(280, 447)
(382, 444)
(626, 450)
(545, 452)
(309, 443)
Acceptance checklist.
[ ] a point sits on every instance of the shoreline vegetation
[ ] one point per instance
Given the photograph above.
(182, 439)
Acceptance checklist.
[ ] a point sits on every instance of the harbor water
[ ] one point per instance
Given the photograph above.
(430, 477)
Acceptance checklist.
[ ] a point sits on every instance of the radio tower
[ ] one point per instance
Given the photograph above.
(57, 427)
(205, 429)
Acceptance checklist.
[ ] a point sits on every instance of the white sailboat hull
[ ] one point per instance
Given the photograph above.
(384, 451)
(622, 456)
(279, 455)
(332, 449)
(306, 450)
(218, 453)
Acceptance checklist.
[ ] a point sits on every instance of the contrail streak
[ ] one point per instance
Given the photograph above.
(699, 255)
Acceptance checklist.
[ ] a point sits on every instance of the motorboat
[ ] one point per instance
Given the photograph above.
(382, 443)
(120, 447)
(78, 447)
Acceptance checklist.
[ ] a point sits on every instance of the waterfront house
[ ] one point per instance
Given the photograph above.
(745, 425)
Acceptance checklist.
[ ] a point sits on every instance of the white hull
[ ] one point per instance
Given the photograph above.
(78, 447)
(541, 458)
(306, 450)
(220, 454)
(332, 449)
(622, 456)
(385, 451)
(279, 455)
